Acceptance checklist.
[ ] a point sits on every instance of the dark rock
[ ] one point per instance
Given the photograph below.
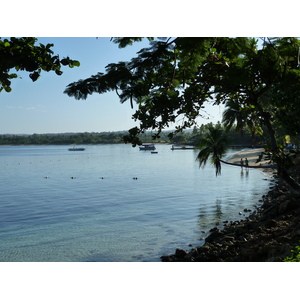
(213, 236)
(215, 229)
(166, 258)
(270, 223)
(287, 205)
(180, 253)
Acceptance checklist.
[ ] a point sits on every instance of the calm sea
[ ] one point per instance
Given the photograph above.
(57, 205)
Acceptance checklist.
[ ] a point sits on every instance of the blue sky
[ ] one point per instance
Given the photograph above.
(42, 107)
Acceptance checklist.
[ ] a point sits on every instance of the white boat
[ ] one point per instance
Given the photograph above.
(147, 147)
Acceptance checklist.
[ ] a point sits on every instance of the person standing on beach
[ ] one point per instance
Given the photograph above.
(242, 163)
(246, 162)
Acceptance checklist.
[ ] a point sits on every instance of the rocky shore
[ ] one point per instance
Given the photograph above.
(267, 235)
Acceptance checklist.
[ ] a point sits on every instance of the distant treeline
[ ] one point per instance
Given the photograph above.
(188, 137)
(235, 138)
(63, 138)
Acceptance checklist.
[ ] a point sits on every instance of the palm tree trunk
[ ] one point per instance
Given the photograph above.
(253, 167)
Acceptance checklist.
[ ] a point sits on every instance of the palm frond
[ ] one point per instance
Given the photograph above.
(203, 156)
(213, 146)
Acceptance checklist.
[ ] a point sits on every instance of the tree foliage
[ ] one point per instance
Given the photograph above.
(295, 255)
(187, 137)
(62, 139)
(173, 80)
(22, 54)
(213, 145)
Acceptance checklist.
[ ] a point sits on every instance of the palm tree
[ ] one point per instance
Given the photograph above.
(233, 114)
(213, 145)
(243, 116)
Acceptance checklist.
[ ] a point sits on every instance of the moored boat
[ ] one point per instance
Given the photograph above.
(182, 147)
(147, 147)
(76, 149)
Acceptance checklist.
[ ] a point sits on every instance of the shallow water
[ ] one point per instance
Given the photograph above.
(55, 206)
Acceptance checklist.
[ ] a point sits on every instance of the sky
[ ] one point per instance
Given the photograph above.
(42, 107)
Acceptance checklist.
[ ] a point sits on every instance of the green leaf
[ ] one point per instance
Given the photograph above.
(13, 75)
(7, 89)
(76, 63)
(65, 61)
(58, 72)
(34, 76)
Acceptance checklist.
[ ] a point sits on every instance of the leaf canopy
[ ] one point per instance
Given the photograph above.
(22, 54)
(173, 79)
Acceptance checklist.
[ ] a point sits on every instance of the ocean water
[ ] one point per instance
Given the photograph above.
(61, 206)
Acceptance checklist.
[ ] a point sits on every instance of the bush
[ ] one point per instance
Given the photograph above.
(295, 257)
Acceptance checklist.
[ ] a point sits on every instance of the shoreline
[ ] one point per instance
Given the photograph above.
(252, 156)
(268, 234)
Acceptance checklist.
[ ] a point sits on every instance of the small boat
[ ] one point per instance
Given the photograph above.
(76, 149)
(154, 152)
(147, 147)
(182, 148)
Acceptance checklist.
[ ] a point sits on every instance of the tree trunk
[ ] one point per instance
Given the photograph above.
(253, 167)
(281, 170)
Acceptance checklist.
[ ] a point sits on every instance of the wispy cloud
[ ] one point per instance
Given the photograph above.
(28, 108)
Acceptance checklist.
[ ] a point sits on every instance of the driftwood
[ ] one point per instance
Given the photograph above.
(254, 167)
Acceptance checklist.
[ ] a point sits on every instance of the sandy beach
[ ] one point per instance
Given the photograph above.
(252, 156)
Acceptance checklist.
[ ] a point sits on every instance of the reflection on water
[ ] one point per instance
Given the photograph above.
(218, 210)
(244, 173)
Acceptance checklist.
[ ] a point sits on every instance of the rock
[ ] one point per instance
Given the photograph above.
(166, 258)
(252, 217)
(213, 236)
(180, 253)
(228, 237)
(283, 207)
(270, 223)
